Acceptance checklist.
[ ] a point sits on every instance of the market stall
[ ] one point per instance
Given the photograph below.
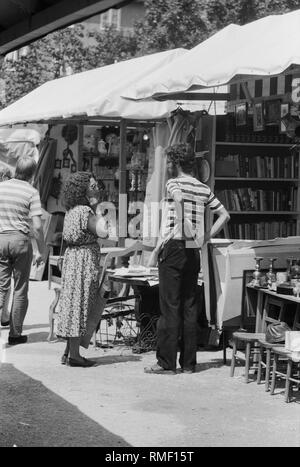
(254, 159)
(96, 129)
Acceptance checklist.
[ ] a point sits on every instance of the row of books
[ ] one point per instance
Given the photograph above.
(256, 166)
(262, 230)
(249, 199)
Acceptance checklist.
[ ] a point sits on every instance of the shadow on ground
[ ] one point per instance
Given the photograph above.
(33, 416)
(111, 359)
(218, 363)
(35, 326)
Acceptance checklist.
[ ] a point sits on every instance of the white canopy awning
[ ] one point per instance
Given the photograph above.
(93, 93)
(264, 47)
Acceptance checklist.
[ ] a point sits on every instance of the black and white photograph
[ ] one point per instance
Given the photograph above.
(149, 226)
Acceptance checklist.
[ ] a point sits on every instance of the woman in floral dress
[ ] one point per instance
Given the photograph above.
(80, 272)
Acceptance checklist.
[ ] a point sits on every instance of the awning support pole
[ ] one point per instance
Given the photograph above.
(122, 184)
(80, 146)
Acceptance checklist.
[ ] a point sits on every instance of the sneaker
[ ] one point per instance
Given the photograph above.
(158, 370)
(17, 340)
(188, 372)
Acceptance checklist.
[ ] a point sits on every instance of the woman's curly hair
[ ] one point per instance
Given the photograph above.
(5, 173)
(181, 154)
(75, 188)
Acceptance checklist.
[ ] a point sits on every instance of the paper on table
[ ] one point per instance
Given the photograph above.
(134, 274)
(153, 282)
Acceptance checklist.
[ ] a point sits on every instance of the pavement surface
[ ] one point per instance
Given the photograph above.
(115, 404)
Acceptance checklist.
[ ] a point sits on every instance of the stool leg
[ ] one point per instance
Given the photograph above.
(232, 367)
(224, 346)
(268, 369)
(247, 363)
(273, 383)
(288, 380)
(259, 365)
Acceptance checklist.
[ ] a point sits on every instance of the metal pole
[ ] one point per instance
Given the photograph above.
(122, 185)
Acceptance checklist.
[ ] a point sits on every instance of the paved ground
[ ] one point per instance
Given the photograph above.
(44, 403)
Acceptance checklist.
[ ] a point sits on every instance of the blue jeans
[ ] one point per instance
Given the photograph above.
(15, 259)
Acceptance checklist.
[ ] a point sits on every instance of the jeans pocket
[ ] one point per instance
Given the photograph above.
(21, 246)
(171, 250)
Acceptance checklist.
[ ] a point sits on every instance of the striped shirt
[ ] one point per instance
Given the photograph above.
(197, 197)
(19, 201)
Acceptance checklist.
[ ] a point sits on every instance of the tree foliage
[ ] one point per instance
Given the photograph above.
(67, 50)
(169, 24)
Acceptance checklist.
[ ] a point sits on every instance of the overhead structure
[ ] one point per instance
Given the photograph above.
(93, 94)
(263, 48)
(24, 21)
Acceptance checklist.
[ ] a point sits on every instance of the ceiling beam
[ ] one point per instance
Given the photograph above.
(63, 14)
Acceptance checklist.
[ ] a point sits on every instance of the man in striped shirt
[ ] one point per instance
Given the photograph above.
(19, 206)
(182, 234)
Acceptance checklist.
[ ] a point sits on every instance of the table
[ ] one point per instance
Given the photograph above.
(261, 294)
(147, 309)
(53, 261)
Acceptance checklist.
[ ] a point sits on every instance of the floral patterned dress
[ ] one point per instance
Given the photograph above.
(80, 273)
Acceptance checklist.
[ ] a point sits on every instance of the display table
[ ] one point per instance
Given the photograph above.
(256, 298)
(228, 266)
(147, 309)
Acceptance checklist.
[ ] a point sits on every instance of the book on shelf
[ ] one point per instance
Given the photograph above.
(249, 199)
(258, 166)
(262, 230)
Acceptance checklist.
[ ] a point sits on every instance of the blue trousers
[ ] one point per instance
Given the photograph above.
(15, 260)
(177, 326)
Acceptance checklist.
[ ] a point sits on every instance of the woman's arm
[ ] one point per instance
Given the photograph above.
(98, 225)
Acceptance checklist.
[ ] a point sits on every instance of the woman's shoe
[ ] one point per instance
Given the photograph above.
(82, 363)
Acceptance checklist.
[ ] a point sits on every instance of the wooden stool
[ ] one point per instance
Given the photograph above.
(278, 308)
(264, 361)
(250, 339)
(53, 314)
(286, 373)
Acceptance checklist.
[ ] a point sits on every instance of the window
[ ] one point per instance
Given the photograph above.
(111, 17)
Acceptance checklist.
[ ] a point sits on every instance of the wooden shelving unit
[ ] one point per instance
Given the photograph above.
(259, 184)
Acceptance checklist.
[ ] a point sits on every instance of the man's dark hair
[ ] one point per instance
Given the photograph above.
(181, 154)
(25, 168)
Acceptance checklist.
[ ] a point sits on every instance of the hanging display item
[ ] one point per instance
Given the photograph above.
(102, 148)
(57, 164)
(70, 135)
(56, 186)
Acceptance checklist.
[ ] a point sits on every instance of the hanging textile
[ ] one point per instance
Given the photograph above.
(45, 169)
(155, 183)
